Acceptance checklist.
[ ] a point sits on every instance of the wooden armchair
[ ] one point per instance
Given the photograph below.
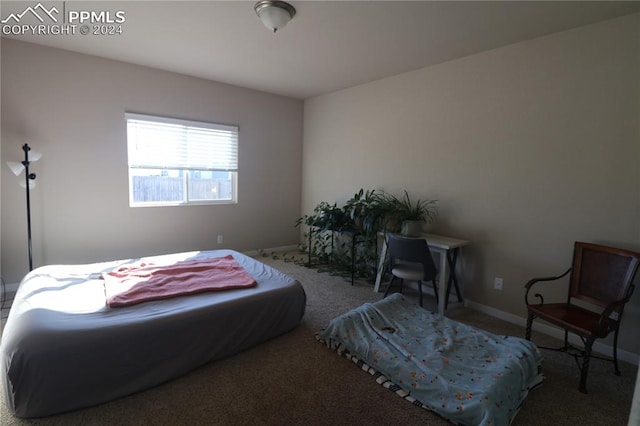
(601, 281)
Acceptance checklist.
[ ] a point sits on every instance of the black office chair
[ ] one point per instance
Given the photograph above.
(410, 259)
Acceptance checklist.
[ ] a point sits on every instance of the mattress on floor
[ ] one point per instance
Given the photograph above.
(63, 348)
(466, 375)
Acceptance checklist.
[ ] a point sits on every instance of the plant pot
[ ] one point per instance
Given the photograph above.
(411, 228)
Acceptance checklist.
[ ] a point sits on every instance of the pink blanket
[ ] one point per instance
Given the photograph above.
(143, 282)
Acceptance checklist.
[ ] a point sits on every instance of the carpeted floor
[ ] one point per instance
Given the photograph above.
(295, 380)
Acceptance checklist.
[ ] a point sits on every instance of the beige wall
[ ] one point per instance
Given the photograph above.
(71, 108)
(528, 148)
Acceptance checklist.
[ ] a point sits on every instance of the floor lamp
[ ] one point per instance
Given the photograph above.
(29, 183)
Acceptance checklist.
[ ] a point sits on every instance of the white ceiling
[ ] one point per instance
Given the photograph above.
(329, 45)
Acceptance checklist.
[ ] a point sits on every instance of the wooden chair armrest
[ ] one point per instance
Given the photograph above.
(533, 281)
(606, 314)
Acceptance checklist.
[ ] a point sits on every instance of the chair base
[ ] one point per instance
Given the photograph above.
(579, 354)
(584, 354)
(393, 277)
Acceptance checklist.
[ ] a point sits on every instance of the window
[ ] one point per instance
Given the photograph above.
(177, 162)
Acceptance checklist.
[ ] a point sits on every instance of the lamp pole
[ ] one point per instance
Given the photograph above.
(27, 177)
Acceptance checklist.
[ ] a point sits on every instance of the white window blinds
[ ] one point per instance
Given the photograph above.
(167, 143)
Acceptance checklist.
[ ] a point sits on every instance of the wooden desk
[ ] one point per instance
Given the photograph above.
(447, 249)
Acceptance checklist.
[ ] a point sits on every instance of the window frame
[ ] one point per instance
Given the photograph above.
(185, 172)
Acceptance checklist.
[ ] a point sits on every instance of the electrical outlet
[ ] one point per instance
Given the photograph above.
(497, 283)
(220, 239)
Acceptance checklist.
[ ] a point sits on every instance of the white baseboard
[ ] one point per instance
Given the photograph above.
(598, 347)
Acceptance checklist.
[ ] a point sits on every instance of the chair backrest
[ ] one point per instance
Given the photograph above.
(412, 250)
(601, 275)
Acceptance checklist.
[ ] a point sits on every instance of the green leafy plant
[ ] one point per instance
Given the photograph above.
(330, 229)
(325, 216)
(325, 219)
(366, 211)
(404, 208)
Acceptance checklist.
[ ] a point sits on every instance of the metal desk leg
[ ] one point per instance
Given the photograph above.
(443, 279)
(452, 257)
(381, 262)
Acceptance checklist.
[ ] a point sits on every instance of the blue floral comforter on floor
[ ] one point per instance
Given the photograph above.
(466, 375)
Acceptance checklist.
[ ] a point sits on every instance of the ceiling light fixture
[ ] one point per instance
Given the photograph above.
(274, 14)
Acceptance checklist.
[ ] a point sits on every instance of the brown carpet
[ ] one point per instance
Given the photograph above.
(295, 380)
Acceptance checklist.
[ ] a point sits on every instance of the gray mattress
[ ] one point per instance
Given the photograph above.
(62, 348)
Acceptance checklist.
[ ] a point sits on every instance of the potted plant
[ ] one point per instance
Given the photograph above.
(365, 210)
(408, 215)
(325, 216)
